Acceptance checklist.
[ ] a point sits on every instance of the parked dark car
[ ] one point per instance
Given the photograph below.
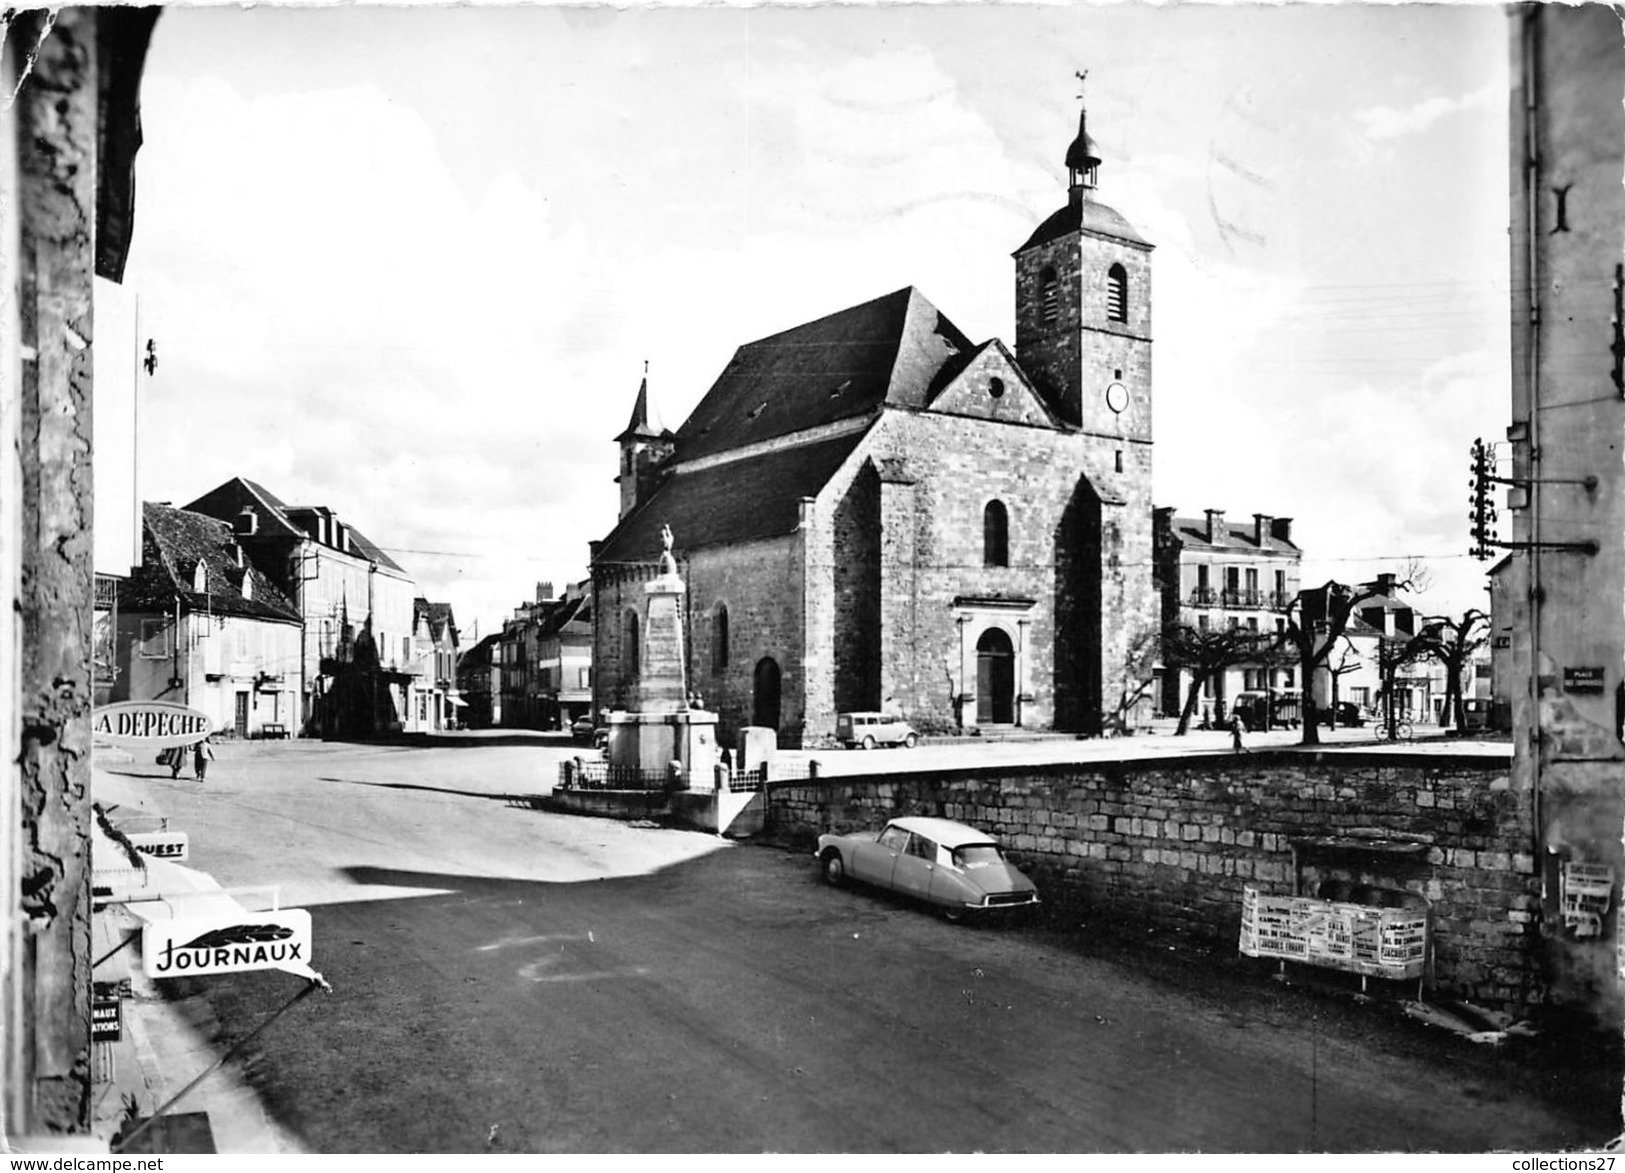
(1282, 706)
(1349, 716)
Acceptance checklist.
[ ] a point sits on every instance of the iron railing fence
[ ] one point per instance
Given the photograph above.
(589, 775)
(598, 775)
(762, 776)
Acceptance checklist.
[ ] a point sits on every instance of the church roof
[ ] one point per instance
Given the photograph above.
(1086, 215)
(742, 500)
(896, 350)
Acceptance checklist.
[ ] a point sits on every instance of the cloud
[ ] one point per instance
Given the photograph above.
(1379, 123)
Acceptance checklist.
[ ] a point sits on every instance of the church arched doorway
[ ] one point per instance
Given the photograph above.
(765, 710)
(995, 679)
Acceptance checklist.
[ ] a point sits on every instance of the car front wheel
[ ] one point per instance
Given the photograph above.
(834, 869)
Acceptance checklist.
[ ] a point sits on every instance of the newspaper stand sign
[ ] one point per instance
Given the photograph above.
(148, 725)
(227, 943)
(106, 1013)
(171, 845)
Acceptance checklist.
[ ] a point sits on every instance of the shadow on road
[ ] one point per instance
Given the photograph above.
(525, 800)
(475, 739)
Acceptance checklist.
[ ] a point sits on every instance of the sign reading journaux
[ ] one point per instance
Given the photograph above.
(227, 944)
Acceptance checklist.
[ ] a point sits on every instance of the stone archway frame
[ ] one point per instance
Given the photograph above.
(974, 616)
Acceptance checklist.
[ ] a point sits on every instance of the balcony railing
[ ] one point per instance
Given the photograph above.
(1204, 597)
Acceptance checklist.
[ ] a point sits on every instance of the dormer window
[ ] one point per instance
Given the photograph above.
(248, 586)
(200, 578)
(1117, 293)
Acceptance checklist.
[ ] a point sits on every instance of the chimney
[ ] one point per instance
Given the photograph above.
(544, 591)
(248, 523)
(1215, 526)
(1281, 529)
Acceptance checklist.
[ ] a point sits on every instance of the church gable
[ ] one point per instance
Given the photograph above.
(991, 386)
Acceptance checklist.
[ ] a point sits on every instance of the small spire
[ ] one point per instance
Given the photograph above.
(1082, 158)
(640, 423)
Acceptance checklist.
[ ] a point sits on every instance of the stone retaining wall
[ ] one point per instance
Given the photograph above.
(1172, 842)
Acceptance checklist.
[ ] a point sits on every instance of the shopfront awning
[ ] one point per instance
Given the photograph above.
(458, 701)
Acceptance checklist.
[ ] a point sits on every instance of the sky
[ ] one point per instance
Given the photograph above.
(409, 263)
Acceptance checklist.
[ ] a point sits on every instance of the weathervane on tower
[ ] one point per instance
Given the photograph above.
(1082, 160)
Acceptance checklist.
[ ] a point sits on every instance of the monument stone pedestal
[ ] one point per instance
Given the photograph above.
(663, 728)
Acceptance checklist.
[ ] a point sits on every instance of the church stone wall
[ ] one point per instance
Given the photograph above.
(935, 475)
(761, 585)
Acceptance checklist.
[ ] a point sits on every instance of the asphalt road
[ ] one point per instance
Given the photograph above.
(511, 980)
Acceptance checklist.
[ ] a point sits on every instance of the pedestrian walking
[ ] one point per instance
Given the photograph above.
(202, 755)
(1237, 728)
(174, 758)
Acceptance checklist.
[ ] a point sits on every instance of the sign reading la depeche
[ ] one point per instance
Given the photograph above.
(149, 725)
(216, 944)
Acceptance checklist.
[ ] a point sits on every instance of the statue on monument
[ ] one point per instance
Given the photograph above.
(668, 564)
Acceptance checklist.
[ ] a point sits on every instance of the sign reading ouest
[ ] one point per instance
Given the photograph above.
(149, 725)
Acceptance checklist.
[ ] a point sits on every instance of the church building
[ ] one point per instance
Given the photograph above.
(871, 510)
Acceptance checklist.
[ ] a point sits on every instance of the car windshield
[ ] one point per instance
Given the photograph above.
(977, 855)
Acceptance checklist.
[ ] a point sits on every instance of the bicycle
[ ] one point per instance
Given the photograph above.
(1400, 730)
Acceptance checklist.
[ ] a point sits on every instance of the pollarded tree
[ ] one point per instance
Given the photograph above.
(1394, 653)
(1454, 642)
(1316, 620)
(1205, 652)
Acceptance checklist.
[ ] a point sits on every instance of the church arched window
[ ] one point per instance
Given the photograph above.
(1049, 295)
(630, 656)
(719, 638)
(1117, 293)
(995, 535)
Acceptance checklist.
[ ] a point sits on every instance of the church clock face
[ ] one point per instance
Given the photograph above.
(1117, 397)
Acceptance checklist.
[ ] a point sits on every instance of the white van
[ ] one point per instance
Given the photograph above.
(871, 729)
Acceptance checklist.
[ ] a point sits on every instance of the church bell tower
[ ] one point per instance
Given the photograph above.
(1083, 307)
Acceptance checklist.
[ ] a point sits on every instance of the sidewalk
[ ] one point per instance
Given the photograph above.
(166, 1044)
